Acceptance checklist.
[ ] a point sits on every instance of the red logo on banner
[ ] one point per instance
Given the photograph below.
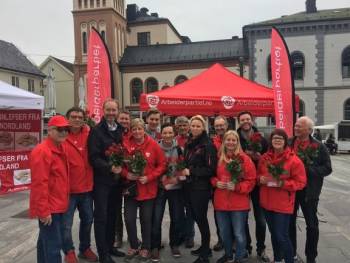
(98, 75)
(228, 102)
(282, 84)
(152, 100)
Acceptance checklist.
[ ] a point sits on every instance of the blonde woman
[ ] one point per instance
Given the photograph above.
(234, 180)
(201, 159)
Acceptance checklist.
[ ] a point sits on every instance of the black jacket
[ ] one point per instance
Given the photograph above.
(320, 168)
(201, 159)
(100, 139)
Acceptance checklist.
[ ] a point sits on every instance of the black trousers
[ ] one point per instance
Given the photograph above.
(106, 203)
(119, 219)
(260, 223)
(199, 200)
(130, 214)
(309, 209)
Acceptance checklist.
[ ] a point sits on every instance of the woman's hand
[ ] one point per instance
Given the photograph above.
(143, 179)
(230, 186)
(132, 177)
(263, 180)
(186, 172)
(221, 185)
(46, 220)
(116, 169)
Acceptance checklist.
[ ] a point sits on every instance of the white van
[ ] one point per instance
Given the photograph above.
(340, 131)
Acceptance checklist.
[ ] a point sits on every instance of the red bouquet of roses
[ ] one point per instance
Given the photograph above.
(234, 167)
(115, 154)
(90, 119)
(308, 153)
(136, 163)
(254, 142)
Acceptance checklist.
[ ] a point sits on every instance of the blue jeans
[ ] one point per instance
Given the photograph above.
(176, 217)
(50, 241)
(278, 224)
(82, 202)
(233, 220)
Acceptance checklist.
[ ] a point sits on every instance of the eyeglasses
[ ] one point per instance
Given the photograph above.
(277, 138)
(61, 129)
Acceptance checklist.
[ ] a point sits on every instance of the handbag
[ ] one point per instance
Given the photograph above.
(130, 190)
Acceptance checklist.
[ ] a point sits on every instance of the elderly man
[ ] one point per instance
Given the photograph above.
(317, 165)
(106, 192)
(81, 183)
(50, 190)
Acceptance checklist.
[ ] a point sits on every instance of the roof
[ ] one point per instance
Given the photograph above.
(11, 58)
(183, 52)
(302, 17)
(67, 65)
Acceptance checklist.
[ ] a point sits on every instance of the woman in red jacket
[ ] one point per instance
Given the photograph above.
(280, 173)
(235, 179)
(147, 186)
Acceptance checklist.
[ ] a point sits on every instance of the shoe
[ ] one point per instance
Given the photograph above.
(201, 260)
(144, 255)
(155, 255)
(189, 243)
(118, 243)
(131, 254)
(175, 252)
(197, 252)
(225, 259)
(263, 257)
(115, 252)
(88, 255)
(107, 259)
(308, 260)
(218, 246)
(70, 257)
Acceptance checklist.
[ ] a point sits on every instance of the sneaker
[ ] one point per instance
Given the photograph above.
(144, 255)
(218, 246)
(88, 255)
(189, 243)
(131, 254)
(201, 260)
(225, 259)
(263, 257)
(70, 257)
(155, 255)
(175, 252)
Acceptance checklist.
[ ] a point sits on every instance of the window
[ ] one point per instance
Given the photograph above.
(269, 70)
(97, 3)
(298, 63)
(15, 81)
(79, 4)
(92, 3)
(136, 90)
(345, 63)
(85, 3)
(301, 108)
(84, 41)
(144, 38)
(103, 3)
(103, 35)
(151, 85)
(347, 109)
(31, 85)
(180, 79)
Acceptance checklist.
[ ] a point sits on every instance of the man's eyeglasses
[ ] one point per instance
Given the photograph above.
(61, 129)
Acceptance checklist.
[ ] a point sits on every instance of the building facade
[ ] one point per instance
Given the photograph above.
(319, 45)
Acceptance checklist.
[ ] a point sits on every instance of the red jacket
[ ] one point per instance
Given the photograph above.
(237, 200)
(281, 199)
(50, 182)
(156, 166)
(217, 141)
(80, 170)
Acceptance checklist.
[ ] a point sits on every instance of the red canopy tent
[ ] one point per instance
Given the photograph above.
(214, 91)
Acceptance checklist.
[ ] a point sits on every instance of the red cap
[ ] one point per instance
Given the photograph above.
(58, 121)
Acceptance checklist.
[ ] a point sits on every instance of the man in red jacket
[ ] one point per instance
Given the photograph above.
(50, 190)
(81, 184)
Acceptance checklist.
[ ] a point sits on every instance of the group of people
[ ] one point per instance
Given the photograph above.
(183, 165)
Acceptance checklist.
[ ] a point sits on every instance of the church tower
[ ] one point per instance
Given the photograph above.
(109, 18)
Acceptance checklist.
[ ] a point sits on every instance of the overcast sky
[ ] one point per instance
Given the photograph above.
(45, 27)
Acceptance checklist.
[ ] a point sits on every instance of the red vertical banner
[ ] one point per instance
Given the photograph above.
(282, 83)
(20, 132)
(99, 77)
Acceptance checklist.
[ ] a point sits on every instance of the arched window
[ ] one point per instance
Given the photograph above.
(91, 3)
(84, 42)
(345, 63)
(180, 79)
(79, 4)
(85, 3)
(103, 3)
(347, 109)
(97, 3)
(301, 108)
(298, 64)
(269, 70)
(151, 85)
(136, 90)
